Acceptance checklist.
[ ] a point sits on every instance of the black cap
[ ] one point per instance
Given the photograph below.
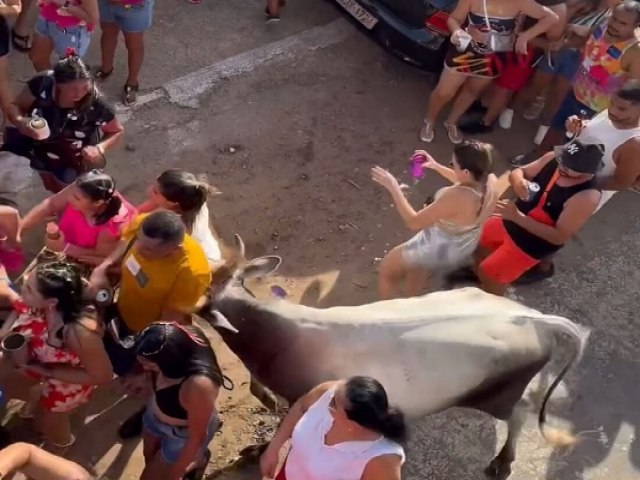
(580, 157)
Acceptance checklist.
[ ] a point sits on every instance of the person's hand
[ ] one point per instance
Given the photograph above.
(522, 44)
(457, 36)
(269, 462)
(93, 155)
(98, 280)
(22, 124)
(507, 210)
(556, 46)
(384, 178)
(429, 162)
(521, 189)
(574, 125)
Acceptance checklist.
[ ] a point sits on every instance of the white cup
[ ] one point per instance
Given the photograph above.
(463, 41)
(40, 127)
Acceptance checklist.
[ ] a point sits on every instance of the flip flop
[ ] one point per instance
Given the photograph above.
(25, 42)
(130, 96)
(102, 75)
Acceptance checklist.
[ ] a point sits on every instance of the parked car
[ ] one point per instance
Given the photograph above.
(414, 30)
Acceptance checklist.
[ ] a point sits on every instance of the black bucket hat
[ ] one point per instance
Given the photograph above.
(580, 157)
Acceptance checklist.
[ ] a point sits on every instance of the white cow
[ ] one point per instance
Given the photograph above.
(463, 348)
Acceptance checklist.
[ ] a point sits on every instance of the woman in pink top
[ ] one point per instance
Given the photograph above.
(62, 25)
(343, 430)
(91, 215)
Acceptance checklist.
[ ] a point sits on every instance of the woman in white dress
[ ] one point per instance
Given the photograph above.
(448, 230)
(184, 193)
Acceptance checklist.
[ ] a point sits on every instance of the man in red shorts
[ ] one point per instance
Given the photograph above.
(517, 70)
(543, 219)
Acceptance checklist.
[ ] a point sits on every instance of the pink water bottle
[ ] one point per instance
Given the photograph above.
(416, 165)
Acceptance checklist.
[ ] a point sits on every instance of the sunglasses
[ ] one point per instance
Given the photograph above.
(165, 336)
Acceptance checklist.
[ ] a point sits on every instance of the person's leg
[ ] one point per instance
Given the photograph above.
(415, 281)
(536, 87)
(23, 24)
(6, 96)
(134, 23)
(108, 45)
(390, 274)
(273, 9)
(448, 85)
(57, 429)
(557, 93)
(469, 93)
(43, 45)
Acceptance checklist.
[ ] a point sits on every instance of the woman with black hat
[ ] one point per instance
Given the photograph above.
(62, 124)
(557, 195)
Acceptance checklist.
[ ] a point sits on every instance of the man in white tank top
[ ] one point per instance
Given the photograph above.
(618, 130)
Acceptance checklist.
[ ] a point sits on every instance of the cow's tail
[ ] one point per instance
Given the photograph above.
(560, 438)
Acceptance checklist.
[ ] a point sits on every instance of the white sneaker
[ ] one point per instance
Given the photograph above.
(426, 132)
(540, 134)
(506, 119)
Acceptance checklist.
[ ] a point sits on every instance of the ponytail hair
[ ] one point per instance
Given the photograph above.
(99, 186)
(368, 406)
(187, 191)
(62, 281)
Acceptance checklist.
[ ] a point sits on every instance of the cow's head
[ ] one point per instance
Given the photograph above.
(228, 280)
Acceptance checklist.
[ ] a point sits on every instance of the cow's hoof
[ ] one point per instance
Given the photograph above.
(498, 469)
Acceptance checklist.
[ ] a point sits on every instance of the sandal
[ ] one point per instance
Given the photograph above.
(22, 43)
(454, 133)
(130, 96)
(101, 74)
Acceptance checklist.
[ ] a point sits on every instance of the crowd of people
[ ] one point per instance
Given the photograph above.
(573, 63)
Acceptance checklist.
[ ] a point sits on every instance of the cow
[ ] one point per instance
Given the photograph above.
(456, 348)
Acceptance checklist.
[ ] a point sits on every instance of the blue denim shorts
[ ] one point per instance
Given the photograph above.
(173, 439)
(570, 106)
(77, 38)
(133, 19)
(564, 63)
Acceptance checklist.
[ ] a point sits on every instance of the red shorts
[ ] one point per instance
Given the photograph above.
(517, 70)
(507, 262)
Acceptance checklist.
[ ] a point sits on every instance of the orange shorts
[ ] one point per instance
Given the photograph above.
(507, 262)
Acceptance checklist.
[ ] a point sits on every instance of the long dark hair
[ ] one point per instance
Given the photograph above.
(72, 68)
(187, 191)
(179, 351)
(368, 406)
(98, 185)
(475, 156)
(62, 281)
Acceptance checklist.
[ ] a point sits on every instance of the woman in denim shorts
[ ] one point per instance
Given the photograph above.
(181, 417)
(63, 25)
(558, 68)
(133, 18)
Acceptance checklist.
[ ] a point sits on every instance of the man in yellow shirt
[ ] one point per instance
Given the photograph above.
(164, 273)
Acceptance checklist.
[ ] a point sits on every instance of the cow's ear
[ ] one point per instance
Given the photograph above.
(218, 320)
(261, 266)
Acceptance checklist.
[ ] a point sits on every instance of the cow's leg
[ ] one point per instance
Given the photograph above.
(500, 467)
(264, 395)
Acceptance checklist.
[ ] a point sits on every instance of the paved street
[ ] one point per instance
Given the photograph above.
(286, 120)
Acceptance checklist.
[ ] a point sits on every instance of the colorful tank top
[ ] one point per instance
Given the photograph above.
(79, 232)
(600, 72)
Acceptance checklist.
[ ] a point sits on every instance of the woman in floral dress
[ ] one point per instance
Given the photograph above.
(65, 349)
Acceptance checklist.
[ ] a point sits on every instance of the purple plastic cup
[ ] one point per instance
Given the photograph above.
(416, 165)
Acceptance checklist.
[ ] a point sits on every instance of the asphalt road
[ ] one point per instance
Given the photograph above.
(286, 120)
